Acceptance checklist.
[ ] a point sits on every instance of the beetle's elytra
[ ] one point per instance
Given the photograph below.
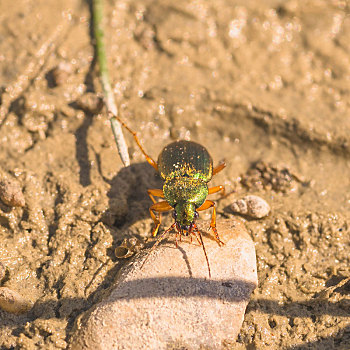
(185, 167)
(185, 158)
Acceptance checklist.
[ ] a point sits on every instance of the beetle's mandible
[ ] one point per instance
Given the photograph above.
(185, 167)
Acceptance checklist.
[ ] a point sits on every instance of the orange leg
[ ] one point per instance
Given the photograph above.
(218, 168)
(148, 158)
(155, 193)
(159, 207)
(217, 189)
(206, 205)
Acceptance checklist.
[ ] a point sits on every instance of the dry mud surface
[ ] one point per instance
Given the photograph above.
(264, 85)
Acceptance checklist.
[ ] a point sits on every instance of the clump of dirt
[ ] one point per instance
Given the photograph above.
(263, 85)
(262, 176)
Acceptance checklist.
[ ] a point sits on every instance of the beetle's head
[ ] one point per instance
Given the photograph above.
(184, 215)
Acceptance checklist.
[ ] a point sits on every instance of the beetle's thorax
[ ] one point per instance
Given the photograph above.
(185, 194)
(185, 189)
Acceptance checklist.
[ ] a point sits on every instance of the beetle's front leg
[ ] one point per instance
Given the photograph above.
(155, 193)
(159, 207)
(216, 189)
(206, 205)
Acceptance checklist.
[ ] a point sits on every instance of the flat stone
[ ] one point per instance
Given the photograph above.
(171, 302)
(13, 302)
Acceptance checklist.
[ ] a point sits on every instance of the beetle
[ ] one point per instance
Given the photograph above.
(186, 167)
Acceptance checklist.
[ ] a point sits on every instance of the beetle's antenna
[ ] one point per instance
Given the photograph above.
(133, 133)
(205, 252)
(161, 237)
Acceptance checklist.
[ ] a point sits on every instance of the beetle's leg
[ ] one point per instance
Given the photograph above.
(148, 158)
(218, 168)
(177, 233)
(194, 227)
(217, 189)
(159, 207)
(206, 205)
(155, 193)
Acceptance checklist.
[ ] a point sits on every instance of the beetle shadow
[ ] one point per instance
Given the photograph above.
(128, 201)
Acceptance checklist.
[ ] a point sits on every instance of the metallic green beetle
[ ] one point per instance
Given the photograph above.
(186, 167)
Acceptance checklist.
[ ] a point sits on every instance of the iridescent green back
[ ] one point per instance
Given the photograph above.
(185, 159)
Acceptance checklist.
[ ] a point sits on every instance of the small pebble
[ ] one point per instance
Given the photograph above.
(14, 302)
(34, 122)
(11, 193)
(252, 206)
(90, 103)
(170, 302)
(61, 73)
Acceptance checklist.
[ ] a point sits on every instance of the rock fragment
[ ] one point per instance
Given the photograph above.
(90, 103)
(171, 302)
(253, 206)
(11, 193)
(60, 74)
(13, 302)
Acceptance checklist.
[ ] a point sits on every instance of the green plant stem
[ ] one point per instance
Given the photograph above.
(107, 90)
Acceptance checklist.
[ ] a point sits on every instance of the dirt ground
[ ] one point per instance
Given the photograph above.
(264, 85)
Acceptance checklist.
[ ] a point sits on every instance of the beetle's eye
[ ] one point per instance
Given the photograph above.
(174, 214)
(196, 214)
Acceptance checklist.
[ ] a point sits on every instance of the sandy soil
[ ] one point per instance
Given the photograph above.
(263, 85)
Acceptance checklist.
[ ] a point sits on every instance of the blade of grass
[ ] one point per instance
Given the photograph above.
(97, 10)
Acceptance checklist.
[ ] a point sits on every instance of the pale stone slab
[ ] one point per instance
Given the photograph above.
(171, 302)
